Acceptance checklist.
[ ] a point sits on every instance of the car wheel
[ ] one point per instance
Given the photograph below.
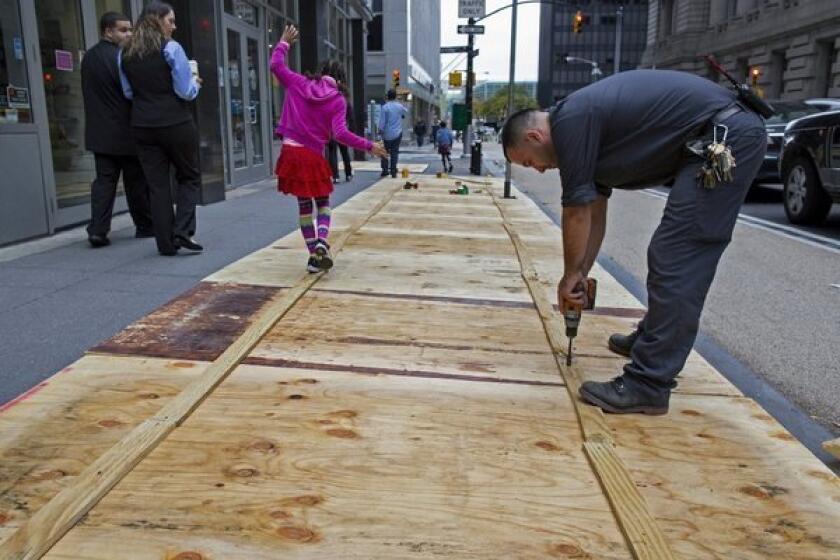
(805, 200)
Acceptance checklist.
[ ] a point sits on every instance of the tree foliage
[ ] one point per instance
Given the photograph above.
(495, 108)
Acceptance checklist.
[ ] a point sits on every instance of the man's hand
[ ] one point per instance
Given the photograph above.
(379, 150)
(290, 35)
(572, 289)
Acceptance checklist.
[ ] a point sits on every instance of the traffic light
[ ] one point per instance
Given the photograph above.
(395, 78)
(577, 22)
(755, 73)
(455, 80)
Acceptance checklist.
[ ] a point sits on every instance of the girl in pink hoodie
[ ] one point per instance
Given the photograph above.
(313, 112)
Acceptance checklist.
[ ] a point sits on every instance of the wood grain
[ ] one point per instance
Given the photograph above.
(54, 519)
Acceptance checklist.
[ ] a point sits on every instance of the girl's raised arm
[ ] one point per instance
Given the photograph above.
(285, 75)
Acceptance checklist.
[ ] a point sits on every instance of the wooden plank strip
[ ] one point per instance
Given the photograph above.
(833, 447)
(34, 539)
(644, 537)
(635, 520)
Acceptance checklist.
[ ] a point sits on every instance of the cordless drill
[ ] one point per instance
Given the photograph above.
(572, 311)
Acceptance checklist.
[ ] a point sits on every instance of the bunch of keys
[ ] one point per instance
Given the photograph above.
(719, 161)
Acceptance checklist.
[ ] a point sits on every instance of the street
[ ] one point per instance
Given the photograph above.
(775, 303)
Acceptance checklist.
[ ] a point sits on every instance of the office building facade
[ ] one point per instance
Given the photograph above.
(793, 45)
(595, 42)
(404, 36)
(45, 183)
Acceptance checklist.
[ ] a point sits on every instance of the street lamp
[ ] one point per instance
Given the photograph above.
(596, 71)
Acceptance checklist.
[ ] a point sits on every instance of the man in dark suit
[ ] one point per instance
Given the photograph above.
(108, 136)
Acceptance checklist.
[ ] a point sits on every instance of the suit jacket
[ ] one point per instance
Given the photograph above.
(107, 111)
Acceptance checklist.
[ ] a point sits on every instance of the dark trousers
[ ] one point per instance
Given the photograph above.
(393, 147)
(103, 192)
(420, 139)
(158, 148)
(683, 256)
(332, 154)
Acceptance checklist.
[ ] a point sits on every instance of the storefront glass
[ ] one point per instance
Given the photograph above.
(15, 95)
(119, 6)
(62, 47)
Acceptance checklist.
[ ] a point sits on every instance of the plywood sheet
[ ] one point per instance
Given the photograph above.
(725, 481)
(408, 336)
(47, 439)
(291, 464)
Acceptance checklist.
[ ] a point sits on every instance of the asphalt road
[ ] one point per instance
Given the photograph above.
(775, 303)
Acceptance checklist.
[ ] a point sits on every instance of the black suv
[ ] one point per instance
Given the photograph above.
(810, 167)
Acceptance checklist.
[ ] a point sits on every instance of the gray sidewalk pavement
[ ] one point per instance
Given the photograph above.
(59, 297)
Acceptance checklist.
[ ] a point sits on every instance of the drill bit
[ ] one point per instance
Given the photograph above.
(569, 354)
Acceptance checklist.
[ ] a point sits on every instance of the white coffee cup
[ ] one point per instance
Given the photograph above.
(194, 68)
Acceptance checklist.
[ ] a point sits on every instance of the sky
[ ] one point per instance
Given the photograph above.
(493, 62)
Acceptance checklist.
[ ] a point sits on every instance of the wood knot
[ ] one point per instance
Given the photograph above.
(295, 397)
(150, 396)
(305, 381)
(307, 500)
(345, 413)
(242, 471)
(297, 534)
(110, 423)
(50, 475)
(547, 445)
(689, 412)
(263, 446)
(188, 555)
(183, 365)
(4, 517)
(343, 433)
(567, 550)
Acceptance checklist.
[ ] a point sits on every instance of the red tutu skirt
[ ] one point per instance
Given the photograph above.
(302, 172)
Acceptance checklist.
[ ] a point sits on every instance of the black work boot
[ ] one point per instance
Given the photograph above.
(622, 344)
(618, 397)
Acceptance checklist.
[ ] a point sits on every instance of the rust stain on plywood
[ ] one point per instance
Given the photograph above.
(197, 325)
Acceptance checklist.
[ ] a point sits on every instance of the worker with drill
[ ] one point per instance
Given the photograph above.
(633, 130)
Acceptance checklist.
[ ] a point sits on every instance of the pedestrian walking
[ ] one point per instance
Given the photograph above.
(390, 127)
(420, 130)
(635, 129)
(444, 139)
(108, 135)
(333, 147)
(314, 110)
(435, 128)
(156, 75)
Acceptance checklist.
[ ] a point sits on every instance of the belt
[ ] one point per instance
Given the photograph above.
(724, 114)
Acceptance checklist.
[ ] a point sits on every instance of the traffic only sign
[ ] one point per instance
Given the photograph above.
(471, 8)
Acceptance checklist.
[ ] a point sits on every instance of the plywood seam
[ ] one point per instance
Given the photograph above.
(51, 522)
(643, 536)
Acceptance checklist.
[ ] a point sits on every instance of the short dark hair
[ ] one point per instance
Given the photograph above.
(110, 19)
(392, 94)
(514, 127)
(443, 124)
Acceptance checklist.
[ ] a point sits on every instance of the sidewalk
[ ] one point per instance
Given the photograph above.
(59, 297)
(411, 403)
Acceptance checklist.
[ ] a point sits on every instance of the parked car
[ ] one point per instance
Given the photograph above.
(786, 111)
(825, 103)
(810, 167)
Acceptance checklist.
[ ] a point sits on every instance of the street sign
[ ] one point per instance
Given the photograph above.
(459, 116)
(455, 80)
(452, 50)
(471, 8)
(471, 29)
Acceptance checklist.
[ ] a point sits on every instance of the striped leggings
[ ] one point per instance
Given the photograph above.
(308, 226)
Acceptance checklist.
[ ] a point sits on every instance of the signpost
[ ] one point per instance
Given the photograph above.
(471, 8)
(471, 29)
(453, 50)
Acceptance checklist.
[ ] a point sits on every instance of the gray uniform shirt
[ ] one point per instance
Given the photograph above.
(629, 130)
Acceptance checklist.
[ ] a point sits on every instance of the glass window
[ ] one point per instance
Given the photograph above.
(120, 6)
(245, 11)
(15, 98)
(374, 36)
(62, 46)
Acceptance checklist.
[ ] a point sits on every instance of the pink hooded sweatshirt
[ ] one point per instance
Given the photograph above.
(314, 111)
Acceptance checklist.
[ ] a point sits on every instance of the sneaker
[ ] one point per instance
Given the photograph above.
(312, 265)
(383, 174)
(393, 175)
(451, 167)
(618, 397)
(187, 243)
(349, 177)
(335, 180)
(622, 344)
(322, 254)
(97, 241)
